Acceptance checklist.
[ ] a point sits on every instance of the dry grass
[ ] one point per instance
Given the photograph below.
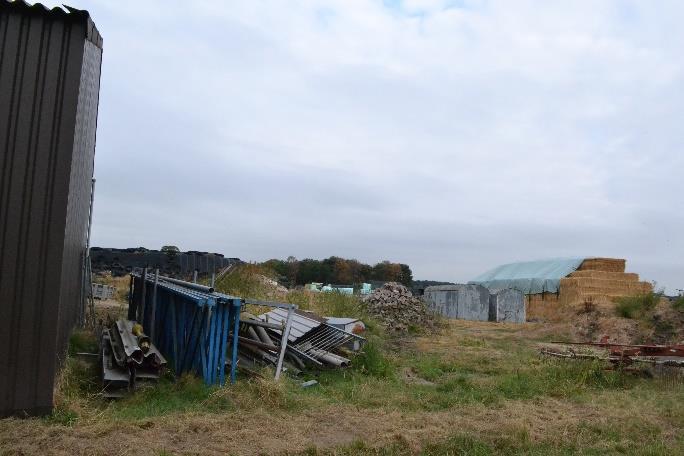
(486, 391)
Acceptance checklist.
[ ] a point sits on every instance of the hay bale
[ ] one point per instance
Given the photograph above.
(570, 286)
(542, 306)
(597, 283)
(625, 276)
(603, 264)
(586, 285)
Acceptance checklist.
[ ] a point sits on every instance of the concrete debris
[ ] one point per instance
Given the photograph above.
(395, 307)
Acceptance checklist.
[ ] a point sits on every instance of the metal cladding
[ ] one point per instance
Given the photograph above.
(507, 306)
(474, 302)
(49, 90)
(302, 322)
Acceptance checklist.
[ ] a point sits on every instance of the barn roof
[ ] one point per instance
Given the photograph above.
(530, 277)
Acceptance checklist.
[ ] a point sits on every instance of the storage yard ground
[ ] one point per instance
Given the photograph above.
(475, 388)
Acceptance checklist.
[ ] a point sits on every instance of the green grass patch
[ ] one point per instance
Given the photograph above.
(167, 396)
(561, 378)
(636, 306)
(433, 367)
(82, 341)
(383, 382)
(373, 361)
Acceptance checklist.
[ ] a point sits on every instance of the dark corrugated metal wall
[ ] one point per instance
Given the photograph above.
(49, 87)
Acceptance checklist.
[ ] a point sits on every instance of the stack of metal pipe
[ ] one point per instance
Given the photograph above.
(260, 343)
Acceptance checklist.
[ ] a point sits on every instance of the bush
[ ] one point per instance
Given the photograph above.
(636, 306)
(678, 304)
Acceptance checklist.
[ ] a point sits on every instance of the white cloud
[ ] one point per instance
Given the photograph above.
(449, 135)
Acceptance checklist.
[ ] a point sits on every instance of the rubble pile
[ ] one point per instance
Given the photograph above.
(396, 308)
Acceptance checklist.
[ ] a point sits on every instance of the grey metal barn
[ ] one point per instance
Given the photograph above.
(475, 302)
(49, 89)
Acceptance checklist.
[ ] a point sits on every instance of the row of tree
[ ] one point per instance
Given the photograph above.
(336, 270)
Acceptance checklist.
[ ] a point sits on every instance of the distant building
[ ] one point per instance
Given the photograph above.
(122, 261)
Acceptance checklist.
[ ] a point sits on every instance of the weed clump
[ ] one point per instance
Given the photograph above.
(636, 306)
(82, 341)
(329, 304)
(678, 304)
(372, 361)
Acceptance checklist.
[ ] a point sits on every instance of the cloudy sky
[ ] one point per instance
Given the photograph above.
(449, 135)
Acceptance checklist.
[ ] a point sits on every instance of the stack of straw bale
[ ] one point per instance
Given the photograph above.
(598, 282)
(541, 306)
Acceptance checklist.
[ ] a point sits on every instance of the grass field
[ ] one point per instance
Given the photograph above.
(473, 388)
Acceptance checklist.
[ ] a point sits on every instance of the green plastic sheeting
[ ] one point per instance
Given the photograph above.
(530, 277)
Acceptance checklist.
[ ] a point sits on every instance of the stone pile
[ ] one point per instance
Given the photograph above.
(395, 307)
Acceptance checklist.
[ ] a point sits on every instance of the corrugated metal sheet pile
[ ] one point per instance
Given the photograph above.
(127, 358)
(311, 340)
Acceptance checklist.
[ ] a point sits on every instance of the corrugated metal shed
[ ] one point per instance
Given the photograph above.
(49, 89)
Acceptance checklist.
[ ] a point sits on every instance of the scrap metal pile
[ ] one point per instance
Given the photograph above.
(128, 357)
(395, 307)
(309, 340)
(619, 354)
(204, 332)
